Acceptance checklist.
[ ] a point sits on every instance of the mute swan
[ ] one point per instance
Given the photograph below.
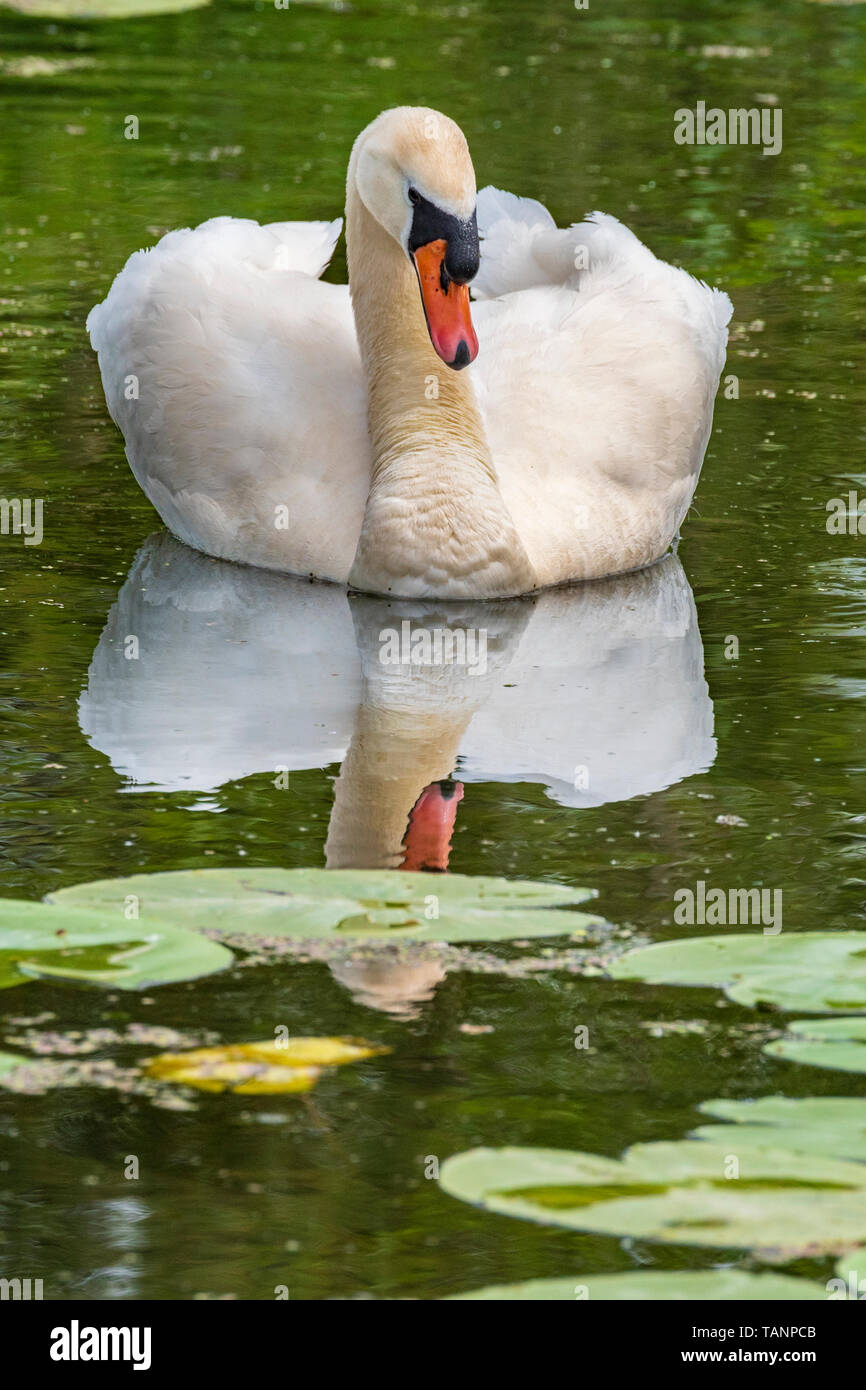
(295, 425)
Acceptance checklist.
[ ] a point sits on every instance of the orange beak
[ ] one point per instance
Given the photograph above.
(446, 305)
(427, 842)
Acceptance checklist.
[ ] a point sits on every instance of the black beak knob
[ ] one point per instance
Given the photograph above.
(462, 253)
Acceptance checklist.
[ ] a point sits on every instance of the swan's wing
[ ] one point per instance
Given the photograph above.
(235, 377)
(512, 233)
(596, 375)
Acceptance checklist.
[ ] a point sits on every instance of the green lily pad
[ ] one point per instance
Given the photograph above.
(834, 1126)
(715, 1285)
(100, 9)
(38, 941)
(369, 903)
(784, 1201)
(8, 1062)
(819, 972)
(851, 1269)
(838, 1043)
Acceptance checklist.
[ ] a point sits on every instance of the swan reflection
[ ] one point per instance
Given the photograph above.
(595, 692)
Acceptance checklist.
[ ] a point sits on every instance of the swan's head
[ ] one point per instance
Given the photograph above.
(412, 170)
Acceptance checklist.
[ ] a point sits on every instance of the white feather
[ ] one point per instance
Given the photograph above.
(235, 376)
(222, 357)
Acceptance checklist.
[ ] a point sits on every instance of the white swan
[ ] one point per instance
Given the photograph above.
(280, 421)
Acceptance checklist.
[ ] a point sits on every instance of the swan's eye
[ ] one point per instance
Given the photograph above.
(414, 195)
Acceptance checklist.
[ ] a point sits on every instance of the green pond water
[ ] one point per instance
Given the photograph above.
(249, 110)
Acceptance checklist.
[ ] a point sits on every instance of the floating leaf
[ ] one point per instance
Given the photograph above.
(233, 1074)
(831, 1125)
(370, 903)
(260, 1068)
(100, 9)
(38, 941)
(820, 972)
(8, 1062)
(785, 1201)
(714, 1285)
(839, 1043)
(851, 1268)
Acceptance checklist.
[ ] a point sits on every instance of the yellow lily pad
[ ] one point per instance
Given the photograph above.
(259, 1068)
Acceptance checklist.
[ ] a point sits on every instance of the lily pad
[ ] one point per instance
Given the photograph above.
(715, 1285)
(851, 1269)
(834, 1126)
(838, 1043)
(784, 1201)
(100, 9)
(8, 1062)
(92, 947)
(260, 1068)
(345, 904)
(819, 972)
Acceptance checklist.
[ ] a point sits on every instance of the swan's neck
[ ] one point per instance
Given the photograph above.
(435, 522)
